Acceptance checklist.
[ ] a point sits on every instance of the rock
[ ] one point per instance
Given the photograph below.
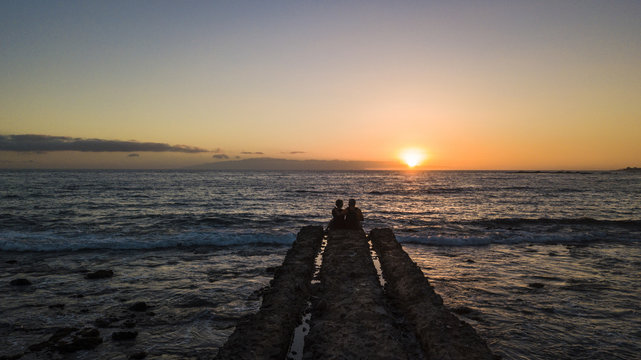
(11, 357)
(470, 261)
(129, 324)
(257, 294)
(11, 262)
(85, 339)
(100, 274)
(20, 282)
(138, 355)
(68, 340)
(124, 335)
(271, 269)
(105, 322)
(57, 306)
(536, 285)
(461, 310)
(139, 306)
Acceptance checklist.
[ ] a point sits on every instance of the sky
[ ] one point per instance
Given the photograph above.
(470, 84)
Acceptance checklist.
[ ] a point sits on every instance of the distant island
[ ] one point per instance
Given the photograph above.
(286, 164)
(631, 169)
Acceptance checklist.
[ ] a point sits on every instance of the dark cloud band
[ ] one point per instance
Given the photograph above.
(45, 143)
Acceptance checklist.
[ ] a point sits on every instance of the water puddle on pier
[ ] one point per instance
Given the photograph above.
(377, 263)
(318, 262)
(298, 341)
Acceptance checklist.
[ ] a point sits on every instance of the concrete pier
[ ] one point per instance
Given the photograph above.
(349, 315)
(441, 334)
(352, 316)
(268, 333)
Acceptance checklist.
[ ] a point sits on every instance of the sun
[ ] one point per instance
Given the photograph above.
(413, 157)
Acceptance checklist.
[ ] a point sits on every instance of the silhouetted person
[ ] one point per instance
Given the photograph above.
(338, 216)
(353, 215)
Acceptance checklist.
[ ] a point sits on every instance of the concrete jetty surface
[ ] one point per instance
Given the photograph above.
(268, 333)
(352, 316)
(441, 334)
(349, 315)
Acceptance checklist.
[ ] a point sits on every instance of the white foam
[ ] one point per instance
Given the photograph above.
(502, 238)
(43, 241)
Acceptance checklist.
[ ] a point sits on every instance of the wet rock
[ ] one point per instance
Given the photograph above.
(124, 335)
(271, 269)
(105, 322)
(68, 340)
(139, 306)
(258, 293)
(461, 310)
(20, 282)
(85, 339)
(100, 274)
(11, 357)
(137, 356)
(129, 324)
(470, 261)
(536, 285)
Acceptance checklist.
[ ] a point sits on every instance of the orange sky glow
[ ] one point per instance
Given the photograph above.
(470, 85)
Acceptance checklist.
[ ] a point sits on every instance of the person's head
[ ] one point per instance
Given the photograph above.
(351, 203)
(339, 203)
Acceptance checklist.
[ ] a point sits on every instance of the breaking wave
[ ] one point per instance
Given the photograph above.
(49, 241)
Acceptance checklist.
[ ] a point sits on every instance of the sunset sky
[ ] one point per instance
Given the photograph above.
(472, 84)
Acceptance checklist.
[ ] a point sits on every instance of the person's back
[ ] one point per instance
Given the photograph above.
(338, 216)
(353, 216)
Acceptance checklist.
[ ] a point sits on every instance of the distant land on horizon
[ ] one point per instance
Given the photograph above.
(287, 164)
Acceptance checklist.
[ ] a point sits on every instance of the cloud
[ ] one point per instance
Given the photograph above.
(46, 143)
(221, 156)
(217, 150)
(133, 155)
(294, 152)
(252, 153)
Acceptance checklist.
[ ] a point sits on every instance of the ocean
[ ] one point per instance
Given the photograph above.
(544, 265)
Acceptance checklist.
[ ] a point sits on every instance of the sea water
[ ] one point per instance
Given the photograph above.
(542, 264)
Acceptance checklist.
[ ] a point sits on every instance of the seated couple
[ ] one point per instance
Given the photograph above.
(349, 218)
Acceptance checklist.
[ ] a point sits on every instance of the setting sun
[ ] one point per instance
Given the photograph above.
(413, 157)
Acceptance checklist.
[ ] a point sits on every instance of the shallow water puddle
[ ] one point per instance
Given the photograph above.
(298, 340)
(377, 263)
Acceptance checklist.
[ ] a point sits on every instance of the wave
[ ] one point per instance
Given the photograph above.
(48, 241)
(521, 238)
(502, 222)
(433, 190)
